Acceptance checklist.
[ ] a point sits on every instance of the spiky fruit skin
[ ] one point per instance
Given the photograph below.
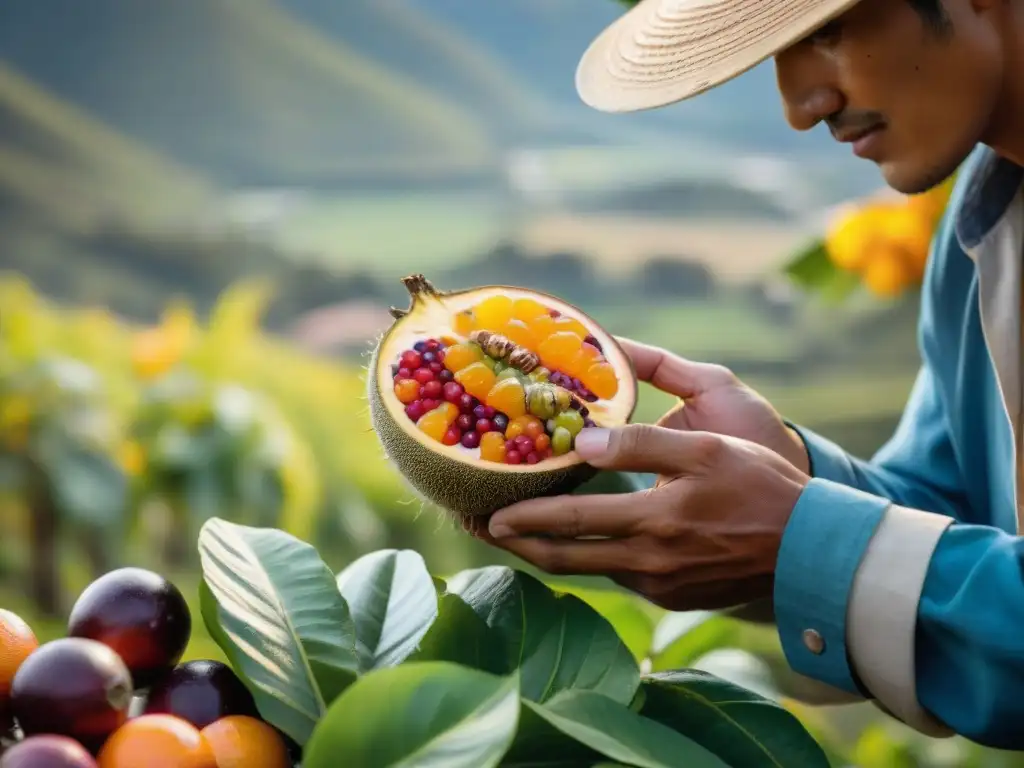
(463, 489)
(72, 687)
(140, 615)
(467, 489)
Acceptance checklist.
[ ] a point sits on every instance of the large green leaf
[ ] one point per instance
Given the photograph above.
(393, 603)
(419, 714)
(744, 729)
(460, 636)
(621, 734)
(557, 642)
(286, 625)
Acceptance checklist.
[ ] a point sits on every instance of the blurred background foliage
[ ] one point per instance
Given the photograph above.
(205, 207)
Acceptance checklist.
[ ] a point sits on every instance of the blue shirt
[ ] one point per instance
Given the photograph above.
(953, 454)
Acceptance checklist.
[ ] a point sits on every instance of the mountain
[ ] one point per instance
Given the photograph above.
(241, 88)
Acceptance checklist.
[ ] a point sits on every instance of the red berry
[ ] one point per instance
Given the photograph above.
(466, 403)
(411, 359)
(524, 444)
(510, 445)
(446, 375)
(433, 390)
(404, 373)
(452, 436)
(532, 457)
(415, 410)
(489, 412)
(429, 405)
(513, 457)
(471, 440)
(483, 425)
(433, 344)
(437, 368)
(465, 422)
(423, 375)
(453, 391)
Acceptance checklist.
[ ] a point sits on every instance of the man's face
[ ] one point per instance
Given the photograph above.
(911, 98)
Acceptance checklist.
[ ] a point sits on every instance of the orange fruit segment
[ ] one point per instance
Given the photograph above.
(239, 741)
(528, 309)
(461, 356)
(540, 328)
(518, 333)
(493, 312)
(492, 447)
(572, 325)
(558, 350)
(436, 422)
(600, 379)
(157, 741)
(464, 323)
(17, 642)
(509, 397)
(477, 379)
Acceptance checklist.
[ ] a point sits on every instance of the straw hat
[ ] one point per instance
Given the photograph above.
(663, 51)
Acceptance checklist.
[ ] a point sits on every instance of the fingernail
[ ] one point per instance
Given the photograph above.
(592, 442)
(499, 531)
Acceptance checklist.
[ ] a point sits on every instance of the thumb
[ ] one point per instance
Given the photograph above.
(671, 373)
(646, 448)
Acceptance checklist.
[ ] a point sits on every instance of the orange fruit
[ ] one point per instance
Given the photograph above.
(493, 312)
(477, 379)
(509, 397)
(157, 741)
(887, 274)
(239, 741)
(17, 642)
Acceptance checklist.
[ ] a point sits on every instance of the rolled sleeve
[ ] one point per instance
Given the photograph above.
(821, 550)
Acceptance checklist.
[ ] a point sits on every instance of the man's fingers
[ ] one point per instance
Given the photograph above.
(570, 517)
(567, 556)
(671, 373)
(647, 448)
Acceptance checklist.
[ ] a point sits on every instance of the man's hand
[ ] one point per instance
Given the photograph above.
(714, 400)
(705, 537)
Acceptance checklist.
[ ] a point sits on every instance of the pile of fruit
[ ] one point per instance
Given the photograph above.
(513, 386)
(113, 693)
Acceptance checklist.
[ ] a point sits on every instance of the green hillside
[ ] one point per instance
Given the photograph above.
(62, 167)
(242, 89)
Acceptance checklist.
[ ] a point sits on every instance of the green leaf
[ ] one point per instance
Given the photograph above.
(813, 270)
(633, 619)
(736, 724)
(621, 734)
(681, 638)
(557, 642)
(539, 744)
(285, 623)
(419, 714)
(458, 635)
(392, 599)
(87, 486)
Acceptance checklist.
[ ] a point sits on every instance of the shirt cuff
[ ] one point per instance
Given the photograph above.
(883, 610)
(826, 459)
(821, 550)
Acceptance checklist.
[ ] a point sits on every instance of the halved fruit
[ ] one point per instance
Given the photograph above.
(459, 376)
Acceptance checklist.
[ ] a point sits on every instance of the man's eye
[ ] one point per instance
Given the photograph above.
(829, 33)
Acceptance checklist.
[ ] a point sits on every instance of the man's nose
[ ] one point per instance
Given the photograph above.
(806, 99)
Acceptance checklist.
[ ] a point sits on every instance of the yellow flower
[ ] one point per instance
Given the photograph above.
(132, 458)
(889, 272)
(856, 234)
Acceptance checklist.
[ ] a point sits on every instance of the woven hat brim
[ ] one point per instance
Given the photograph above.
(664, 51)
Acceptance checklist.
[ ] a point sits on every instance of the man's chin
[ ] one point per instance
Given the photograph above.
(909, 180)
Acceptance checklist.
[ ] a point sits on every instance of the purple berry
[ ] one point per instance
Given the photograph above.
(483, 425)
(429, 405)
(510, 445)
(452, 391)
(465, 422)
(420, 346)
(586, 394)
(500, 422)
(590, 397)
(480, 412)
(446, 376)
(513, 457)
(577, 385)
(415, 410)
(524, 444)
(588, 423)
(429, 357)
(532, 457)
(432, 390)
(466, 403)
(471, 440)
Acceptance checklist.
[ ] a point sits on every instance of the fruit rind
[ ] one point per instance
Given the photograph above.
(460, 484)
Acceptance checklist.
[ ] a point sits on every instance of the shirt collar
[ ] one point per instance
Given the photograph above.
(991, 182)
